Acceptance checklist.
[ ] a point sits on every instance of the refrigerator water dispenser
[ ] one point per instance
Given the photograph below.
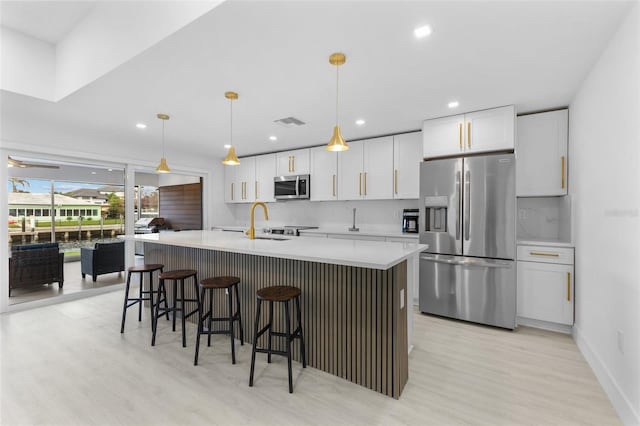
(436, 214)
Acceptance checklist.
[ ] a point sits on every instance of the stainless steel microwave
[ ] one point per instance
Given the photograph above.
(291, 187)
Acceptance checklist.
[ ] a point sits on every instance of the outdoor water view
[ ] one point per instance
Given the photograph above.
(45, 209)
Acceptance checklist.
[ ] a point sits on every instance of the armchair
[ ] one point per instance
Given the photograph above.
(103, 258)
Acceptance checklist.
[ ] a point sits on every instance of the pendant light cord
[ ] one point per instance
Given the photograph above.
(163, 155)
(337, 83)
(231, 122)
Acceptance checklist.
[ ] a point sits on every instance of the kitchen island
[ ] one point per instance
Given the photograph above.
(354, 294)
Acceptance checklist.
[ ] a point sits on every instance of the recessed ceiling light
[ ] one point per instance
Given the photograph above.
(422, 32)
(110, 170)
(360, 122)
(453, 104)
(141, 126)
(93, 173)
(227, 146)
(273, 138)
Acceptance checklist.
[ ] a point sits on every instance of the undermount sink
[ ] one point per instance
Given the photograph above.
(260, 237)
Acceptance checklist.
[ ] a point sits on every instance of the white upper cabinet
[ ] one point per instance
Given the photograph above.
(443, 136)
(365, 171)
(350, 164)
(246, 179)
(480, 131)
(265, 172)
(324, 174)
(293, 162)
(407, 156)
(230, 185)
(541, 149)
(490, 130)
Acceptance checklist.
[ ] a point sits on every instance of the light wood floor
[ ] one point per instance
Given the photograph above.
(68, 364)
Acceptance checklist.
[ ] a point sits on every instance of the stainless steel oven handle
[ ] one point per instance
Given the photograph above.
(297, 186)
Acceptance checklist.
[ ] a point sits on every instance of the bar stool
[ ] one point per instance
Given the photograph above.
(281, 294)
(178, 277)
(130, 301)
(209, 285)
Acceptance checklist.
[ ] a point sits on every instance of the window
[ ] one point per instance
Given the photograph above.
(95, 212)
(20, 212)
(45, 212)
(13, 212)
(76, 212)
(37, 212)
(83, 212)
(29, 212)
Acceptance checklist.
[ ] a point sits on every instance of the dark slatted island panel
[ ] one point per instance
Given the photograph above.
(354, 325)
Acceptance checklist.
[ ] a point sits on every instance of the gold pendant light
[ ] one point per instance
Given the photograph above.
(231, 159)
(337, 142)
(163, 167)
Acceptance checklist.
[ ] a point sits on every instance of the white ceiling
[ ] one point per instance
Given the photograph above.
(275, 55)
(48, 21)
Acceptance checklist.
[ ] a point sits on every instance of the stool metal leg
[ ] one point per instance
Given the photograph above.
(288, 342)
(126, 300)
(233, 346)
(184, 312)
(175, 303)
(303, 352)
(255, 342)
(200, 321)
(239, 315)
(270, 328)
(140, 290)
(210, 316)
(154, 326)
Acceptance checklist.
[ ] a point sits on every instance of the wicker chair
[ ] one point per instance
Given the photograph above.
(34, 265)
(104, 258)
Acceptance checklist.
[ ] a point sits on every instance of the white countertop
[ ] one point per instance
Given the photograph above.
(337, 231)
(550, 243)
(365, 254)
(363, 231)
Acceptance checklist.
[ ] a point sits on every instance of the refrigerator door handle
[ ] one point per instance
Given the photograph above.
(484, 263)
(467, 204)
(458, 203)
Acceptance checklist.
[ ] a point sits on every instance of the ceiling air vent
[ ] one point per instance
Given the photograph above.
(289, 122)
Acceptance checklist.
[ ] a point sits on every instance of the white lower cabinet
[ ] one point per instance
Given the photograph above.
(545, 285)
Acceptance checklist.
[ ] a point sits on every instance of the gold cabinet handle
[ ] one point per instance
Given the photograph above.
(365, 183)
(469, 135)
(256, 190)
(360, 184)
(334, 185)
(231, 191)
(568, 286)
(289, 163)
(562, 167)
(537, 253)
(244, 190)
(395, 181)
(460, 136)
(293, 163)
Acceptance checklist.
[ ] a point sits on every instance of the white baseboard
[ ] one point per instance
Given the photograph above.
(620, 402)
(545, 325)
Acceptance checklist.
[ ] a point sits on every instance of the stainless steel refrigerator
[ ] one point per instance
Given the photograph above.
(467, 214)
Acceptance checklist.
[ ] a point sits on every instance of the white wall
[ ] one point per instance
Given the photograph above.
(115, 32)
(28, 65)
(381, 215)
(604, 179)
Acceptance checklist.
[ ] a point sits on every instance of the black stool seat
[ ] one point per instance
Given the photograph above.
(145, 268)
(209, 285)
(219, 282)
(280, 294)
(143, 295)
(177, 276)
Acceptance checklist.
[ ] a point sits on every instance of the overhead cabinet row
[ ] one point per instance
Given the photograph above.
(372, 169)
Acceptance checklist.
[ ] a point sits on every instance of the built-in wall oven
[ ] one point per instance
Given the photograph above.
(291, 187)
